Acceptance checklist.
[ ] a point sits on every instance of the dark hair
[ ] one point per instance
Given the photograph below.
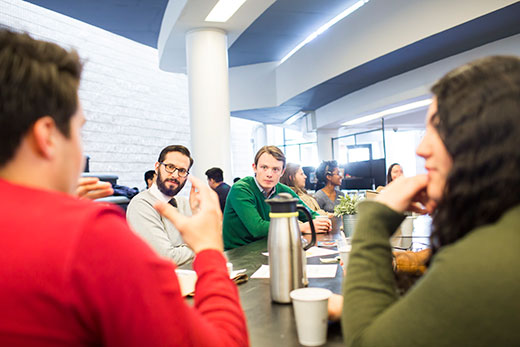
(272, 150)
(175, 148)
(236, 179)
(216, 174)
(478, 119)
(288, 176)
(389, 174)
(37, 79)
(325, 169)
(148, 175)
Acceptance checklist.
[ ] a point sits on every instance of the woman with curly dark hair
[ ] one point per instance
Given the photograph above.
(470, 294)
(327, 188)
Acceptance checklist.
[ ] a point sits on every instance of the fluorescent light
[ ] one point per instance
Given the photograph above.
(324, 27)
(407, 107)
(294, 117)
(223, 10)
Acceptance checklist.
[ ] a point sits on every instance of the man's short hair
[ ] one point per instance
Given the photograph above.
(272, 150)
(175, 148)
(216, 174)
(148, 175)
(37, 79)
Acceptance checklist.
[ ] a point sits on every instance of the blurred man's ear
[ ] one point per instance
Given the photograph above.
(45, 135)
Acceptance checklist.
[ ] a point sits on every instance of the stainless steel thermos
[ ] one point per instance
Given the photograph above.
(286, 254)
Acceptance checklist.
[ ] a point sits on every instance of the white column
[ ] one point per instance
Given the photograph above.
(324, 139)
(208, 82)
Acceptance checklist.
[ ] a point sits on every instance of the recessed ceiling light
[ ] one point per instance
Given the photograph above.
(407, 107)
(324, 27)
(223, 10)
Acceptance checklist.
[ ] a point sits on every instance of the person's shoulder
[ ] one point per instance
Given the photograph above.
(245, 183)
(144, 199)
(489, 250)
(280, 187)
(319, 194)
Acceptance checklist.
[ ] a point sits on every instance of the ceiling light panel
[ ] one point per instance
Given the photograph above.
(223, 10)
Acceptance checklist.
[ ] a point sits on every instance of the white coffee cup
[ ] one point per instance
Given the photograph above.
(187, 280)
(310, 311)
(344, 251)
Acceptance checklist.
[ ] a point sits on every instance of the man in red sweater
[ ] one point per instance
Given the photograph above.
(72, 273)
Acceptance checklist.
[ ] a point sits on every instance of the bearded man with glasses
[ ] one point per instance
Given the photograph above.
(172, 170)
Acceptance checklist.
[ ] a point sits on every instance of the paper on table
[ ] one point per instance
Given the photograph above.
(313, 271)
(314, 252)
(318, 252)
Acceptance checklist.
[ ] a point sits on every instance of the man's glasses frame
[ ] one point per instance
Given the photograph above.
(170, 168)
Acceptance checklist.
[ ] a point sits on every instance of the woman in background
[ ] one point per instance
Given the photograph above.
(294, 177)
(329, 180)
(394, 171)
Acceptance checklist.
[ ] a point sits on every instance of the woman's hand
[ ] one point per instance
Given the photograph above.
(322, 225)
(407, 194)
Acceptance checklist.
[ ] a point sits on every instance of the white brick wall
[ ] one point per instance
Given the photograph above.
(133, 109)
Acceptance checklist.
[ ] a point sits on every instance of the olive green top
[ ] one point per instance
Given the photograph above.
(469, 296)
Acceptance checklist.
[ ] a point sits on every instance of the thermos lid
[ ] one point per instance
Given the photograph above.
(283, 202)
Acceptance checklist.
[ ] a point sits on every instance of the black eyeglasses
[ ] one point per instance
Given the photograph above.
(170, 168)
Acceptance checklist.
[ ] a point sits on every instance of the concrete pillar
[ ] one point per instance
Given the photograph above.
(208, 83)
(324, 139)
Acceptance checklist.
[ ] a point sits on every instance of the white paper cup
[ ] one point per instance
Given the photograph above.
(322, 217)
(187, 280)
(344, 252)
(310, 311)
(229, 268)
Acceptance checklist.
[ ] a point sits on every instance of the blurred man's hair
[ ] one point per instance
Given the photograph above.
(37, 79)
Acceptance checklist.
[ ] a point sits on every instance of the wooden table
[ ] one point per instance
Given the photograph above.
(272, 324)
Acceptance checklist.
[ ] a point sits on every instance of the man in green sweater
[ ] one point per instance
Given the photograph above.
(246, 215)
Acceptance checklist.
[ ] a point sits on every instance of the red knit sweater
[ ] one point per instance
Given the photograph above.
(73, 274)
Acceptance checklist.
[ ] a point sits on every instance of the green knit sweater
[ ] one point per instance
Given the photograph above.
(470, 295)
(246, 215)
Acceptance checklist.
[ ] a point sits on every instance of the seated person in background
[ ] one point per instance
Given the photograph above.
(327, 189)
(216, 182)
(394, 171)
(149, 178)
(470, 295)
(246, 216)
(294, 177)
(73, 273)
(172, 167)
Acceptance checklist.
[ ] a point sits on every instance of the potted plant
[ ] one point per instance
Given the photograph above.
(347, 210)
